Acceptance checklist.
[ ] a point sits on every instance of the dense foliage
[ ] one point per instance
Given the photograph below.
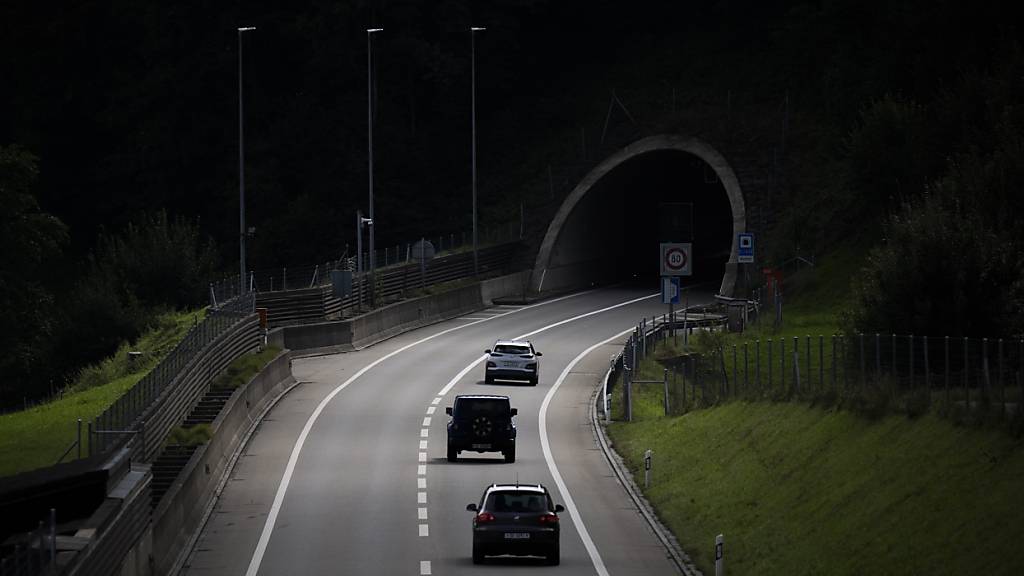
(867, 119)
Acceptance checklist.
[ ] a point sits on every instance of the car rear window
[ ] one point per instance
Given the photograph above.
(516, 502)
(508, 349)
(470, 408)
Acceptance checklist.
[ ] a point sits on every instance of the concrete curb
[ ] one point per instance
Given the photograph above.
(668, 540)
(185, 558)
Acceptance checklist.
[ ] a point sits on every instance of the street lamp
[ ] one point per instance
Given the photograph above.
(472, 59)
(241, 170)
(369, 118)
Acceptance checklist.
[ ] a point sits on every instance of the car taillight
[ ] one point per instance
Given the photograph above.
(484, 517)
(549, 519)
(492, 365)
(531, 366)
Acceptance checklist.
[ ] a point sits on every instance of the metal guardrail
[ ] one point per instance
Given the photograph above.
(318, 304)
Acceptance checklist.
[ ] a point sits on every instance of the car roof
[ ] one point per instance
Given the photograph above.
(512, 343)
(520, 487)
(482, 396)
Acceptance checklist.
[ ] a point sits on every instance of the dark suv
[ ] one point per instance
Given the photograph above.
(481, 423)
(517, 519)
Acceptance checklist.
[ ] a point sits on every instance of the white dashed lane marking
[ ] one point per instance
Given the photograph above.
(421, 497)
(421, 470)
(423, 444)
(424, 432)
(424, 530)
(421, 513)
(421, 483)
(425, 568)
(426, 421)
(431, 409)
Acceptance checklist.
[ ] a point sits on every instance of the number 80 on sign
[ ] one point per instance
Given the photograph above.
(676, 259)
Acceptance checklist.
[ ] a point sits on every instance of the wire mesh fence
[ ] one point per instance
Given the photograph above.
(891, 370)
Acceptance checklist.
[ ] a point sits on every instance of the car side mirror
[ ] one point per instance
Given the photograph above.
(488, 351)
(538, 353)
(448, 410)
(559, 508)
(471, 507)
(515, 411)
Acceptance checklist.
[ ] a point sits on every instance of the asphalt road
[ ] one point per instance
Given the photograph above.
(347, 473)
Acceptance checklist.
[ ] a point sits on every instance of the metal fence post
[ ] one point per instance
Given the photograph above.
(769, 365)
(999, 377)
(910, 340)
(878, 356)
(665, 377)
(757, 363)
(810, 381)
(834, 368)
(821, 361)
(927, 371)
(782, 365)
(746, 367)
(967, 392)
(796, 364)
(734, 380)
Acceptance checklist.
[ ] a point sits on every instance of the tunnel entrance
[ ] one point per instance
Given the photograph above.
(610, 227)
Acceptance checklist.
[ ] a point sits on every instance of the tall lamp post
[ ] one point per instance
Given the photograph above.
(369, 117)
(472, 59)
(241, 170)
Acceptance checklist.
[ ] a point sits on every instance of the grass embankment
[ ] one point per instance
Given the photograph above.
(38, 436)
(798, 489)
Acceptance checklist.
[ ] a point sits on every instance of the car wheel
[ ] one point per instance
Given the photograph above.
(488, 379)
(510, 455)
(533, 381)
(453, 454)
(553, 557)
(478, 554)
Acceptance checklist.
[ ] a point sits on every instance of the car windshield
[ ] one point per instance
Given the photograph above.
(516, 502)
(511, 349)
(470, 408)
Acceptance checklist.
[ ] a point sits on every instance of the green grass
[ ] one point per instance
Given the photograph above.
(192, 436)
(802, 489)
(36, 437)
(799, 490)
(243, 368)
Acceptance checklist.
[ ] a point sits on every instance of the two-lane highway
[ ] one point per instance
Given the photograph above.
(348, 473)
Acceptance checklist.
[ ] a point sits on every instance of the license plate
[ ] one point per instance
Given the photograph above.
(517, 535)
(482, 446)
(507, 364)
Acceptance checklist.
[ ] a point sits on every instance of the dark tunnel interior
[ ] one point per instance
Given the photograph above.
(618, 225)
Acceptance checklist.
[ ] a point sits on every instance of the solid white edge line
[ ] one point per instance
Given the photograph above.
(282, 488)
(570, 505)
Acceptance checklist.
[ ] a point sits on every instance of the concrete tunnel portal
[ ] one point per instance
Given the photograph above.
(609, 228)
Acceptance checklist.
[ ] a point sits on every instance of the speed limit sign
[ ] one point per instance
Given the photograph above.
(676, 259)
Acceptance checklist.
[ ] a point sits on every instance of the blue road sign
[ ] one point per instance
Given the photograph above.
(746, 251)
(670, 290)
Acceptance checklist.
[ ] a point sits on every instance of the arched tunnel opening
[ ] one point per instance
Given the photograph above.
(614, 231)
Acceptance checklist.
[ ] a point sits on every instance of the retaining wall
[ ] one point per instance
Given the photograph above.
(180, 512)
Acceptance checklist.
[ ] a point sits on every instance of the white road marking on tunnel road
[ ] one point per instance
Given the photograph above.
(289, 470)
(423, 457)
(421, 497)
(436, 400)
(423, 444)
(570, 505)
(588, 543)
(424, 530)
(421, 483)
(431, 409)
(424, 432)
(421, 513)
(421, 470)
(425, 568)
(426, 421)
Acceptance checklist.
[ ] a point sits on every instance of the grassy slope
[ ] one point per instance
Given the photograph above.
(797, 490)
(801, 490)
(38, 436)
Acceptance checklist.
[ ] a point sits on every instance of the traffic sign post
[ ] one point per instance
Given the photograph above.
(676, 259)
(670, 290)
(745, 254)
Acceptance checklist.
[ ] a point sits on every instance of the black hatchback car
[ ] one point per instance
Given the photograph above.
(516, 519)
(481, 423)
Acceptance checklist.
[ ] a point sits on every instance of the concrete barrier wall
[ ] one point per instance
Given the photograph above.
(512, 285)
(342, 335)
(181, 510)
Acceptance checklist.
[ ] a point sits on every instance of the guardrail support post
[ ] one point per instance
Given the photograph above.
(78, 441)
(665, 377)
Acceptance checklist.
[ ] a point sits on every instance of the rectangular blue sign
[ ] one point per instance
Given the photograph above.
(745, 255)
